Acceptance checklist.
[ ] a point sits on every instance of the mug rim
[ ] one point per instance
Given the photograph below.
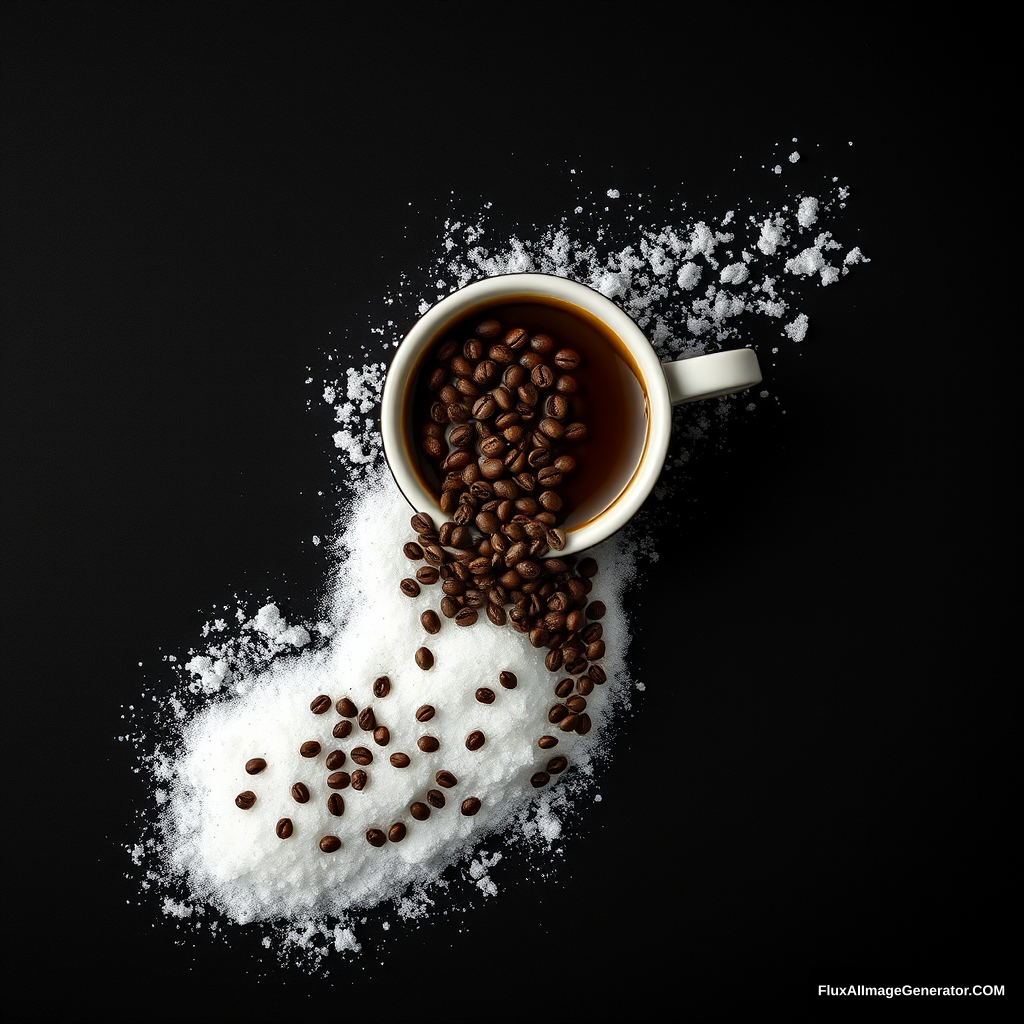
(654, 385)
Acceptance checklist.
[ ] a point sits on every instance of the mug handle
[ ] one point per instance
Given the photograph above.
(712, 375)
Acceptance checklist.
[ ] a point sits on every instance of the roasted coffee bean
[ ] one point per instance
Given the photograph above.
(420, 811)
(557, 406)
(593, 632)
(485, 695)
(300, 794)
(435, 798)
(435, 554)
(400, 760)
(375, 837)
(577, 705)
(487, 522)
(424, 658)
(336, 805)
(439, 412)
(367, 720)
(500, 353)
(381, 686)
(488, 329)
(345, 707)
(245, 800)
(430, 622)
(424, 713)
(447, 350)
(563, 687)
(584, 686)
(335, 759)
(437, 378)
(496, 614)
(310, 748)
(361, 755)
(255, 765)
(422, 523)
(485, 407)
(584, 725)
(517, 338)
(567, 359)
(547, 742)
(338, 780)
(553, 660)
(568, 723)
(576, 666)
(474, 741)
(320, 704)
(508, 679)
(470, 806)
(530, 360)
(539, 779)
(557, 765)
(445, 779)
(466, 616)
(587, 567)
(462, 367)
(595, 651)
(556, 713)
(449, 606)
(341, 729)
(428, 744)
(284, 828)
(566, 384)
(542, 376)
(475, 598)
(413, 551)
(359, 779)
(427, 574)
(381, 736)
(397, 832)
(597, 673)
(453, 586)
(596, 610)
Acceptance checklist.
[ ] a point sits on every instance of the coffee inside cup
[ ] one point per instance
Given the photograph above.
(608, 397)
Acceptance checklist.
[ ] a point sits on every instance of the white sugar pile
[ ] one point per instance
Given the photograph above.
(234, 859)
(723, 275)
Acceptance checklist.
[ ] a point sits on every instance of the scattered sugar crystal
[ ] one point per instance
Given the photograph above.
(807, 212)
(613, 193)
(794, 157)
(797, 330)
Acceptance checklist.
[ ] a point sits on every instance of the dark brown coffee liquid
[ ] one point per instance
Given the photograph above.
(610, 399)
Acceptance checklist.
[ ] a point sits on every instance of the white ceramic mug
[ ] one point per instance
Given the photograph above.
(664, 385)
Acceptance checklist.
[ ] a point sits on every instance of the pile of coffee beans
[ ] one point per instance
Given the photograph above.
(501, 434)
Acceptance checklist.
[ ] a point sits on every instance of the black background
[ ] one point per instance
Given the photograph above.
(200, 201)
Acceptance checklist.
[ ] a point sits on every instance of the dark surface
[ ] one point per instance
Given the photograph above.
(814, 788)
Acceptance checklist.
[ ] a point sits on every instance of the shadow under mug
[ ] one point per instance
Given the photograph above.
(663, 384)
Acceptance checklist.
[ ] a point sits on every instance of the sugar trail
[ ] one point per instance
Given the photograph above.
(721, 276)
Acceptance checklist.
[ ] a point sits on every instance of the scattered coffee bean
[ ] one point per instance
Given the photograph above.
(397, 832)
(335, 760)
(445, 779)
(255, 765)
(284, 828)
(563, 687)
(474, 741)
(419, 811)
(508, 679)
(381, 686)
(430, 621)
(400, 760)
(345, 708)
(300, 794)
(424, 658)
(381, 736)
(435, 798)
(330, 844)
(547, 742)
(424, 713)
(375, 837)
(359, 779)
(338, 780)
(245, 800)
(413, 551)
(427, 575)
(320, 704)
(470, 806)
(485, 695)
(310, 748)
(341, 729)
(539, 779)
(409, 587)
(362, 755)
(367, 720)
(556, 765)
(428, 744)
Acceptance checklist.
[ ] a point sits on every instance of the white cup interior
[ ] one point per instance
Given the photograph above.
(634, 478)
